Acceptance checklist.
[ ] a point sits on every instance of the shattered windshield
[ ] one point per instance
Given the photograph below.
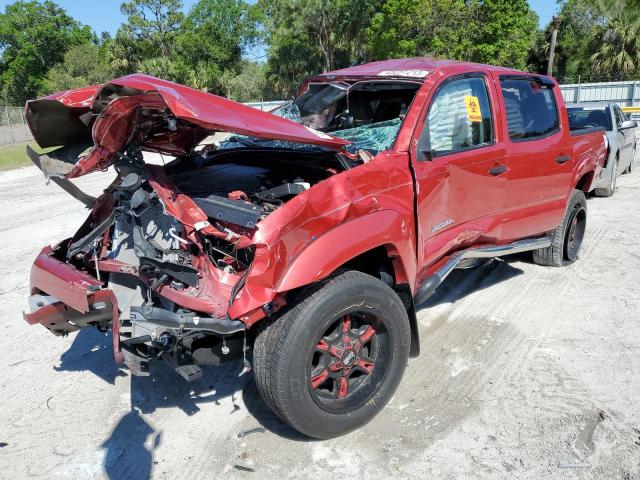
(367, 114)
(375, 137)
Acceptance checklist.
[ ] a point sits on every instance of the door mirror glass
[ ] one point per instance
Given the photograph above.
(628, 124)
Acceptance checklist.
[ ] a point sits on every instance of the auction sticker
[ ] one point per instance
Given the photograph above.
(404, 73)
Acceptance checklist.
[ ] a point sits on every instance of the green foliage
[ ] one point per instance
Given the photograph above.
(85, 64)
(42, 49)
(196, 49)
(309, 36)
(34, 37)
(212, 40)
(490, 31)
(506, 33)
(407, 28)
(153, 23)
(598, 40)
(248, 85)
(618, 54)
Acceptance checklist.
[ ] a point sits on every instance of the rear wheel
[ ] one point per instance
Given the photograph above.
(610, 189)
(330, 363)
(566, 240)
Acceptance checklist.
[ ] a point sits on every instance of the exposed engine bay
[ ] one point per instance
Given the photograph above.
(152, 261)
(263, 178)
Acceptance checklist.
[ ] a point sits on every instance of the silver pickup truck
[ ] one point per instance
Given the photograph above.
(622, 135)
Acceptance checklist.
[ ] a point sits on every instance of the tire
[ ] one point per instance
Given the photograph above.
(611, 188)
(566, 239)
(311, 363)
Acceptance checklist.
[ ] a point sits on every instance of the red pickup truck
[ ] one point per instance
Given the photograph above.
(303, 242)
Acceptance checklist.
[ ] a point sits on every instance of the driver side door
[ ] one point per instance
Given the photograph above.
(460, 168)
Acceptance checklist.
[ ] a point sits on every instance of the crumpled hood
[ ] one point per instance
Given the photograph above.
(156, 114)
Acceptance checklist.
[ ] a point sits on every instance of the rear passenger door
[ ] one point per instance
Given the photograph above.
(539, 156)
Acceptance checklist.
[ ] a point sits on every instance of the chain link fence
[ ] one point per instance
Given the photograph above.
(13, 128)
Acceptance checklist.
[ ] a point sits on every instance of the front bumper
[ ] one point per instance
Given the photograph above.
(64, 299)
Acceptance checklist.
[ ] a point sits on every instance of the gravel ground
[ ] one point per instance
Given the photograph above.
(526, 372)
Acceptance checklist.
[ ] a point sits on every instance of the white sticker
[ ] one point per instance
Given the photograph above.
(404, 73)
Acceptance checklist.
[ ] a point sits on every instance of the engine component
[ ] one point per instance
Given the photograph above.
(186, 320)
(281, 191)
(238, 195)
(236, 212)
(182, 273)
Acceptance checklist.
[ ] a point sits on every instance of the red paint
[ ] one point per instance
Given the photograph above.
(202, 113)
(62, 281)
(372, 205)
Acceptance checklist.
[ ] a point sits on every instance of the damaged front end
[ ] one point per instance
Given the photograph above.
(172, 258)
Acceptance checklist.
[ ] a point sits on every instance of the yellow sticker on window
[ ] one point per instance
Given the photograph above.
(474, 114)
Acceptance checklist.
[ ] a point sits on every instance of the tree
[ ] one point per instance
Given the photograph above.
(85, 64)
(154, 23)
(248, 85)
(308, 36)
(618, 56)
(506, 32)
(34, 36)
(212, 39)
(596, 41)
(437, 28)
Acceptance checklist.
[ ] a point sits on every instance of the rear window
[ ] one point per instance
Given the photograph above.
(530, 107)
(585, 117)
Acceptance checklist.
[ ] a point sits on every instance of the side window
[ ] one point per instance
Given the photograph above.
(459, 117)
(530, 107)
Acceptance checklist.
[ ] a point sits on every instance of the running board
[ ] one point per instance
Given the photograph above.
(429, 286)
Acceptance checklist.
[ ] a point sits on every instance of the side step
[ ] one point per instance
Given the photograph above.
(429, 286)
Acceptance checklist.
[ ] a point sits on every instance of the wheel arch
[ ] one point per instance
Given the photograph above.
(586, 181)
(380, 244)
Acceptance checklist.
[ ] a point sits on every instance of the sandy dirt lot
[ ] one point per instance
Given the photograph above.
(526, 372)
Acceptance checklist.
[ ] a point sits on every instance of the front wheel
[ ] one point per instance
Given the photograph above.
(330, 363)
(566, 240)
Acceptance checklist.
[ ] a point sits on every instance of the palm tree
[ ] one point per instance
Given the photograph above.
(619, 54)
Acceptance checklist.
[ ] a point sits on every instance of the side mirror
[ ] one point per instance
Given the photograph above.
(628, 124)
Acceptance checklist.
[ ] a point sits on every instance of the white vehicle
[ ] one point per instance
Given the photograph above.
(622, 136)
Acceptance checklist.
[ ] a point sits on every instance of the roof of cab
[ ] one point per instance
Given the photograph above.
(418, 67)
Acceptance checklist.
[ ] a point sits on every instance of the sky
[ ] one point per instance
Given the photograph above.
(105, 16)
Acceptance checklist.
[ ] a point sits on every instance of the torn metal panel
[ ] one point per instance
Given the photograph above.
(148, 110)
(63, 183)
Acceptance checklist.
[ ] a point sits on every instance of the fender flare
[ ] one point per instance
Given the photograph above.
(328, 252)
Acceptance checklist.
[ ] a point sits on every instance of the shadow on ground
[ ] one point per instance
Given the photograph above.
(91, 351)
(461, 283)
(129, 450)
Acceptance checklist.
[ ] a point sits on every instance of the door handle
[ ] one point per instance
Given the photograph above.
(563, 159)
(497, 170)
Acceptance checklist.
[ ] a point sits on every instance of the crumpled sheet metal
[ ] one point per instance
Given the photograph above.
(116, 105)
(372, 204)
